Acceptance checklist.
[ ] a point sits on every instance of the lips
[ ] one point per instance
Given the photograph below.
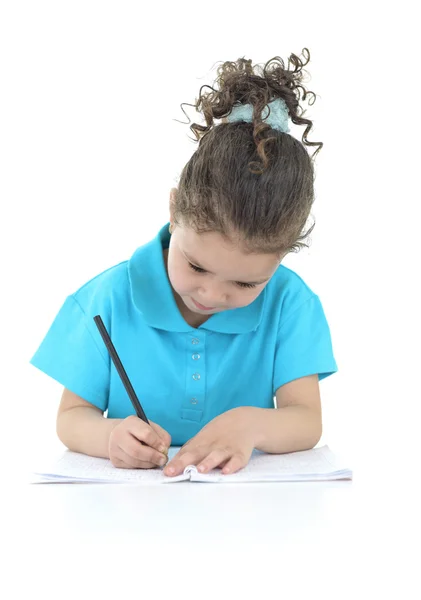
(201, 307)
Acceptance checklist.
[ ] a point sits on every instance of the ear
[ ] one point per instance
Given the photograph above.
(173, 194)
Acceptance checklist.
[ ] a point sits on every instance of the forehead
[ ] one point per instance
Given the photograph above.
(216, 254)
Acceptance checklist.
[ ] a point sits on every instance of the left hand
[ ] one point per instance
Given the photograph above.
(227, 442)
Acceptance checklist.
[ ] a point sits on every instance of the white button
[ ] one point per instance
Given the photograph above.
(193, 401)
(195, 341)
(195, 356)
(196, 376)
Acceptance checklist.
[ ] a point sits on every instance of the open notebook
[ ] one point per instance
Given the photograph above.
(309, 465)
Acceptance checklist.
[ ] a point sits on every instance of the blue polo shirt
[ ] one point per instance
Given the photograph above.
(183, 376)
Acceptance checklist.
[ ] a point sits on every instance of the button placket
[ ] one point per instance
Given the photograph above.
(193, 402)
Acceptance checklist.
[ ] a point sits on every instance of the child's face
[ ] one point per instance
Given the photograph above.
(227, 278)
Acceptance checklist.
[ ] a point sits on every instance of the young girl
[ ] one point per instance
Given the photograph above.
(208, 324)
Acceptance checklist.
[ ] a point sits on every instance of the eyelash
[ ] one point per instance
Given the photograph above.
(242, 285)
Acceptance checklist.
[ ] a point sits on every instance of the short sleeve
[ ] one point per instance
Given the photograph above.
(71, 353)
(304, 345)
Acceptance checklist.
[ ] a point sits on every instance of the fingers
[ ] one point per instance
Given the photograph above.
(213, 460)
(132, 454)
(236, 462)
(123, 460)
(233, 463)
(146, 433)
(183, 459)
(206, 460)
(164, 435)
(134, 444)
(142, 452)
(226, 459)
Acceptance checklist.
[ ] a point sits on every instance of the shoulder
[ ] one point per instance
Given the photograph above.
(105, 287)
(287, 285)
(286, 293)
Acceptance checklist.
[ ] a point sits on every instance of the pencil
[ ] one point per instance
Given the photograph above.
(120, 369)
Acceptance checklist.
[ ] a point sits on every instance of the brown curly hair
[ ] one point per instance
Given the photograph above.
(252, 184)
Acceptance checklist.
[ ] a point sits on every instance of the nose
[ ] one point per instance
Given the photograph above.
(212, 298)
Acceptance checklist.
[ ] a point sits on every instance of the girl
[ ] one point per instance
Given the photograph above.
(208, 324)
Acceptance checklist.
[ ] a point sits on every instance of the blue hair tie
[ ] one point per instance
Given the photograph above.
(277, 119)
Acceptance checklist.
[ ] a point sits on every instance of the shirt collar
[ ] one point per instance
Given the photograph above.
(152, 295)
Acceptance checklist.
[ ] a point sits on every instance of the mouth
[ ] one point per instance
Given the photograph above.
(201, 307)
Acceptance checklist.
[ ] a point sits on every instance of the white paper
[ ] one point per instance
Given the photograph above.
(76, 467)
(308, 465)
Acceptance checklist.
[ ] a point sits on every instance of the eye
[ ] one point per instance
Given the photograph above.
(197, 269)
(242, 285)
(246, 285)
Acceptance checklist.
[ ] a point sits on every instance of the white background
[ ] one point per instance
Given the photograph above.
(90, 149)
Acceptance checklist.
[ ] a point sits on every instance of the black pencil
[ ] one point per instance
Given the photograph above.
(120, 369)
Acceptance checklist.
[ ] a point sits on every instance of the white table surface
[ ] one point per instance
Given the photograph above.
(342, 539)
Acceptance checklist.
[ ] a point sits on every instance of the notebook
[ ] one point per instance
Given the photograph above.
(318, 464)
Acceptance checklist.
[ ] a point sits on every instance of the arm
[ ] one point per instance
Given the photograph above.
(229, 439)
(82, 427)
(296, 423)
(129, 443)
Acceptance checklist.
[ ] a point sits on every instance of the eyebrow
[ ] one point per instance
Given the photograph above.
(190, 259)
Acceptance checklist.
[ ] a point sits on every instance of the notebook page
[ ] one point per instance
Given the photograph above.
(74, 467)
(308, 465)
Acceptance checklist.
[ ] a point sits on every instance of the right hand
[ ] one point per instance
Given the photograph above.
(127, 451)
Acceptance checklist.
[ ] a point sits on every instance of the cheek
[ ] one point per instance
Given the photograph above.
(243, 297)
(247, 296)
(180, 279)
